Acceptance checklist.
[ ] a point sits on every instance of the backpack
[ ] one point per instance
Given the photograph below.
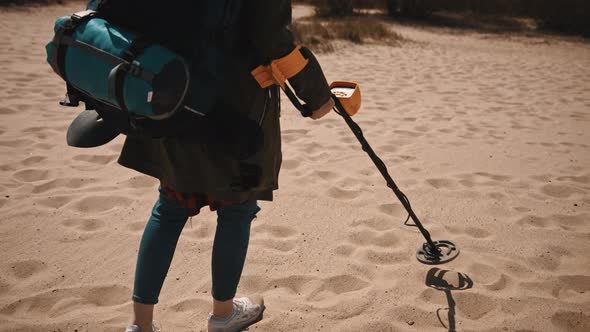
(145, 58)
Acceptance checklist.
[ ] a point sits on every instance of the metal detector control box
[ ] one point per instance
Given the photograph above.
(349, 95)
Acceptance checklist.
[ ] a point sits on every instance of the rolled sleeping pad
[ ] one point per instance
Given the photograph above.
(116, 67)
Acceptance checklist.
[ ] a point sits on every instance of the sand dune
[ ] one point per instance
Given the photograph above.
(488, 136)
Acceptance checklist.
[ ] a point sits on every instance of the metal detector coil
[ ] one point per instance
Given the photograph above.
(445, 251)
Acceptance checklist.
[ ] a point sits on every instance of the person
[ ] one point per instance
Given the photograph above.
(229, 162)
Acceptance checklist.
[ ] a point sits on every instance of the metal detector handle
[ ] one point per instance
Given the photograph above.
(305, 112)
(339, 107)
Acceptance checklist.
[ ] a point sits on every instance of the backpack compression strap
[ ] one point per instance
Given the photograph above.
(280, 70)
(63, 33)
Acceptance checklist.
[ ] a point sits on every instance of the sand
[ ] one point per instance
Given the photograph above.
(488, 136)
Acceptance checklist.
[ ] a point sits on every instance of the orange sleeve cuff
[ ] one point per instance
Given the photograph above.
(280, 70)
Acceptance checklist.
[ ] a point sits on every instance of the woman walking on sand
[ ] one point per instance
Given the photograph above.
(234, 159)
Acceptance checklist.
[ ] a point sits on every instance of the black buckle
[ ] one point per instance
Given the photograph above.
(79, 16)
(134, 69)
(70, 100)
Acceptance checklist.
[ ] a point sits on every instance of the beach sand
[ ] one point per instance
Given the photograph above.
(487, 135)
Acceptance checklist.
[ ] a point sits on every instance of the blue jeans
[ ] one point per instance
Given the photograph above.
(161, 236)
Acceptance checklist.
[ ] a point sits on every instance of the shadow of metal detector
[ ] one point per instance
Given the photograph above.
(347, 97)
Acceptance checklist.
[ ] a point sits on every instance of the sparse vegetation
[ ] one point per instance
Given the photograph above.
(335, 8)
(320, 34)
(4, 3)
(569, 16)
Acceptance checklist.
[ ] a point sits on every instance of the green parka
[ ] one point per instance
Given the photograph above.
(238, 155)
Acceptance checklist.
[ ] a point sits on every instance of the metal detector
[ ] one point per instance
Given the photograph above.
(347, 97)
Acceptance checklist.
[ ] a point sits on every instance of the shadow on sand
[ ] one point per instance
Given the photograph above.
(447, 281)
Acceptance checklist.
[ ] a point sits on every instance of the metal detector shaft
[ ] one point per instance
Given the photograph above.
(383, 170)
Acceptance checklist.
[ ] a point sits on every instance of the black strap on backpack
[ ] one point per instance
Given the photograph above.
(58, 56)
(117, 75)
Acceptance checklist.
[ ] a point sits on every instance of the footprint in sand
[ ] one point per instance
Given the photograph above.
(140, 182)
(385, 257)
(7, 111)
(342, 194)
(387, 148)
(560, 191)
(407, 133)
(84, 224)
(474, 306)
(27, 268)
(372, 240)
(566, 222)
(345, 250)
(35, 160)
(571, 222)
(136, 227)
(521, 209)
(62, 301)
(571, 321)
(496, 195)
(38, 132)
(294, 284)
(481, 178)
(98, 204)
(564, 287)
(474, 232)
(70, 183)
(43, 146)
(337, 285)
(96, 159)
(189, 305)
(4, 287)
(396, 210)
(578, 284)
(290, 164)
(54, 202)
(280, 232)
(378, 224)
(533, 221)
(325, 175)
(367, 238)
(442, 183)
(489, 276)
(583, 179)
(292, 135)
(32, 175)
(279, 239)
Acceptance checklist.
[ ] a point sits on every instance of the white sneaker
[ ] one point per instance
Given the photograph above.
(135, 328)
(246, 312)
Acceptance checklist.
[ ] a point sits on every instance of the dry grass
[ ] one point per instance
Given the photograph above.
(567, 16)
(5, 3)
(331, 8)
(319, 34)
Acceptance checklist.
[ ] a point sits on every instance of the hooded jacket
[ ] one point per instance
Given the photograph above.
(237, 153)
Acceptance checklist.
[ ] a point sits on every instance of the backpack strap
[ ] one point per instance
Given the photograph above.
(65, 31)
(72, 97)
(117, 75)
